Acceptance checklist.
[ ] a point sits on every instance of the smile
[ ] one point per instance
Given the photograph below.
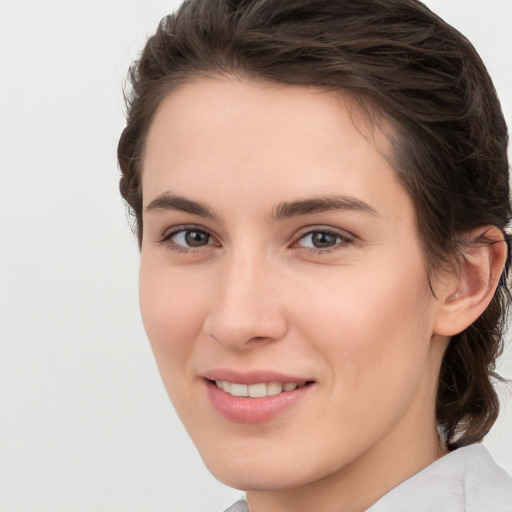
(255, 400)
(257, 390)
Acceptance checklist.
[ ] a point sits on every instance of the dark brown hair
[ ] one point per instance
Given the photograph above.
(449, 134)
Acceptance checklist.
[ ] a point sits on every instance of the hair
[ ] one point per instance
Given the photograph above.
(449, 134)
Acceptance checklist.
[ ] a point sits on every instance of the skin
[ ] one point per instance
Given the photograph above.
(355, 316)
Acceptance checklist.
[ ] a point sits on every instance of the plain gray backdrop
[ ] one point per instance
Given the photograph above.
(85, 424)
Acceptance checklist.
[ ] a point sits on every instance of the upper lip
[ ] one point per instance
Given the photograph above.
(252, 376)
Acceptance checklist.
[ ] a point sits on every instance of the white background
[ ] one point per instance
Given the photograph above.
(85, 424)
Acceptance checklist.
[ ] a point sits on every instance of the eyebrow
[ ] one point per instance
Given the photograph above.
(320, 204)
(168, 201)
(284, 210)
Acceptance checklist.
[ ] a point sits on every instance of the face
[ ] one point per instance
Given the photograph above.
(282, 284)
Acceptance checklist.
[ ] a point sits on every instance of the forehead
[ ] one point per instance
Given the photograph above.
(292, 108)
(232, 138)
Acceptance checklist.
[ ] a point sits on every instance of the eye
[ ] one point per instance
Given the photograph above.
(322, 239)
(191, 238)
(187, 238)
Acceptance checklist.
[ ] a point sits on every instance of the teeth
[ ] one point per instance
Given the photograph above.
(274, 388)
(239, 390)
(257, 390)
(225, 386)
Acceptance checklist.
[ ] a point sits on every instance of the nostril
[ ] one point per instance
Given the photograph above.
(233, 327)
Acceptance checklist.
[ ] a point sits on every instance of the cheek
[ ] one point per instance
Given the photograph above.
(373, 328)
(173, 316)
(374, 339)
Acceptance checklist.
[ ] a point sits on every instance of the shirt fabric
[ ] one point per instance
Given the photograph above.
(465, 480)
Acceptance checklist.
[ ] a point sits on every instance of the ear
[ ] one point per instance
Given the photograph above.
(466, 294)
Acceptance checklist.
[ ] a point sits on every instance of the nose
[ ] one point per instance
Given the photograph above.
(246, 309)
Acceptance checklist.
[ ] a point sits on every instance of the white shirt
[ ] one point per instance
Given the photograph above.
(465, 480)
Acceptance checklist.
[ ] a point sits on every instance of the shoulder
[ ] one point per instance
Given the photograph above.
(486, 485)
(465, 480)
(239, 506)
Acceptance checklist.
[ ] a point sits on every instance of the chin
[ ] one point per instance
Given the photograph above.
(269, 467)
(248, 477)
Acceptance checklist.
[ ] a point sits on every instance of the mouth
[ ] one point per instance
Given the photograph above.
(258, 390)
(255, 397)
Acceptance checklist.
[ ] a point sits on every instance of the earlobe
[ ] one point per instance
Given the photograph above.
(471, 289)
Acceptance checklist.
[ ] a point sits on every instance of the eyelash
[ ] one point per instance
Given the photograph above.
(343, 242)
(167, 239)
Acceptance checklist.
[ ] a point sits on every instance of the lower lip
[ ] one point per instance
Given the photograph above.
(241, 409)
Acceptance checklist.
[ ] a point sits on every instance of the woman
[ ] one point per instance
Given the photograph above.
(321, 194)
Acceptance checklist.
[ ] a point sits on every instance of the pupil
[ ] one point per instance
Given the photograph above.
(321, 240)
(196, 238)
